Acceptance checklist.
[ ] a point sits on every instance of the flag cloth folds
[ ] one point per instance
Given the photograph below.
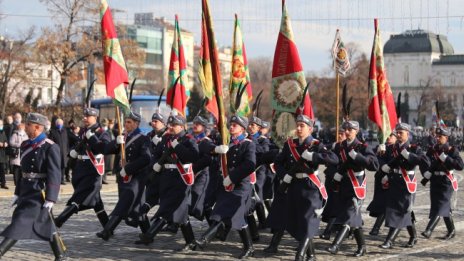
(210, 73)
(240, 74)
(177, 95)
(381, 102)
(341, 60)
(113, 62)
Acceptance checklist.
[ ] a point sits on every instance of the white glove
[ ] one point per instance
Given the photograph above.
(156, 140)
(221, 149)
(73, 154)
(352, 154)
(381, 148)
(157, 167)
(307, 155)
(427, 175)
(287, 178)
(384, 179)
(385, 168)
(318, 212)
(48, 204)
(405, 153)
(123, 173)
(5, 144)
(174, 143)
(14, 200)
(443, 157)
(226, 182)
(89, 134)
(120, 139)
(338, 177)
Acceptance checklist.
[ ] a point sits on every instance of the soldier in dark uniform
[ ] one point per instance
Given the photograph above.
(262, 146)
(354, 158)
(400, 166)
(200, 168)
(299, 160)
(379, 201)
(173, 162)
(133, 174)
(151, 197)
(88, 170)
(329, 215)
(232, 206)
(215, 179)
(267, 159)
(37, 190)
(444, 159)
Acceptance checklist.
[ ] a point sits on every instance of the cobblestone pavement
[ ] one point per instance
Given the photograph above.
(79, 236)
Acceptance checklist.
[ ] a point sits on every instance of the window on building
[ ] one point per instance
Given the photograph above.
(153, 58)
(49, 74)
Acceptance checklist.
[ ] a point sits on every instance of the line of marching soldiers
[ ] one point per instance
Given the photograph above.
(182, 174)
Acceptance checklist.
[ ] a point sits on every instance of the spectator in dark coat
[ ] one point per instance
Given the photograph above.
(3, 157)
(59, 135)
(73, 138)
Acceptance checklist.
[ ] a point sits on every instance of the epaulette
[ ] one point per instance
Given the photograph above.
(264, 137)
(315, 142)
(189, 136)
(47, 140)
(246, 139)
(99, 130)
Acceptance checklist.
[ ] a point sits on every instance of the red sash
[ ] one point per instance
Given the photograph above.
(187, 176)
(450, 175)
(314, 178)
(359, 190)
(99, 164)
(411, 185)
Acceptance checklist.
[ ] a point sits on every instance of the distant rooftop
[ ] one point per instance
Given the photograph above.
(450, 60)
(148, 19)
(418, 41)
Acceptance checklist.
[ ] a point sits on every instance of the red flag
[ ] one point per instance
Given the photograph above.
(382, 104)
(115, 68)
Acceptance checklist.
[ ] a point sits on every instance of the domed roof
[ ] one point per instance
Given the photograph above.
(418, 41)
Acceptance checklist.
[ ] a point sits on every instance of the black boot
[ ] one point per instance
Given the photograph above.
(155, 228)
(261, 214)
(302, 249)
(275, 241)
(450, 227)
(248, 250)
(268, 204)
(392, 234)
(102, 217)
(171, 228)
(58, 248)
(144, 223)
(311, 252)
(107, 231)
(6, 244)
(328, 229)
(430, 226)
(333, 249)
(253, 227)
(412, 236)
(189, 237)
(222, 233)
(209, 234)
(66, 214)
(359, 237)
(377, 225)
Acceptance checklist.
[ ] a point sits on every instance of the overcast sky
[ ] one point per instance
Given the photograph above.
(314, 21)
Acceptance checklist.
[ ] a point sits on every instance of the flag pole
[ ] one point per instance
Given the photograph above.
(337, 117)
(123, 151)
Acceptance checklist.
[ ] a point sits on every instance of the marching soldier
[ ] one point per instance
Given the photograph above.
(133, 174)
(354, 158)
(200, 167)
(233, 200)
(401, 182)
(267, 159)
(300, 159)
(330, 210)
(37, 190)
(88, 170)
(377, 206)
(173, 162)
(444, 160)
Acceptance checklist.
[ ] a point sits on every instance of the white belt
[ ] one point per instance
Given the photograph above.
(174, 166)
(304, 175)
(359, 173)
(442, 173)
(86, 157)
(409, 172)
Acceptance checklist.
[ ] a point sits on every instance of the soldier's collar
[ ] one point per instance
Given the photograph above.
(237, 139)
(37, 139)
(134, 132)
(306, 141)
(256, 135)
(199, 136)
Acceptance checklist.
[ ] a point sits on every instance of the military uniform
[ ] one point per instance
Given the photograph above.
(444, 160)
(402, 162)
(354, 158)
(133, 173)
(87, 176)
(39, 184)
